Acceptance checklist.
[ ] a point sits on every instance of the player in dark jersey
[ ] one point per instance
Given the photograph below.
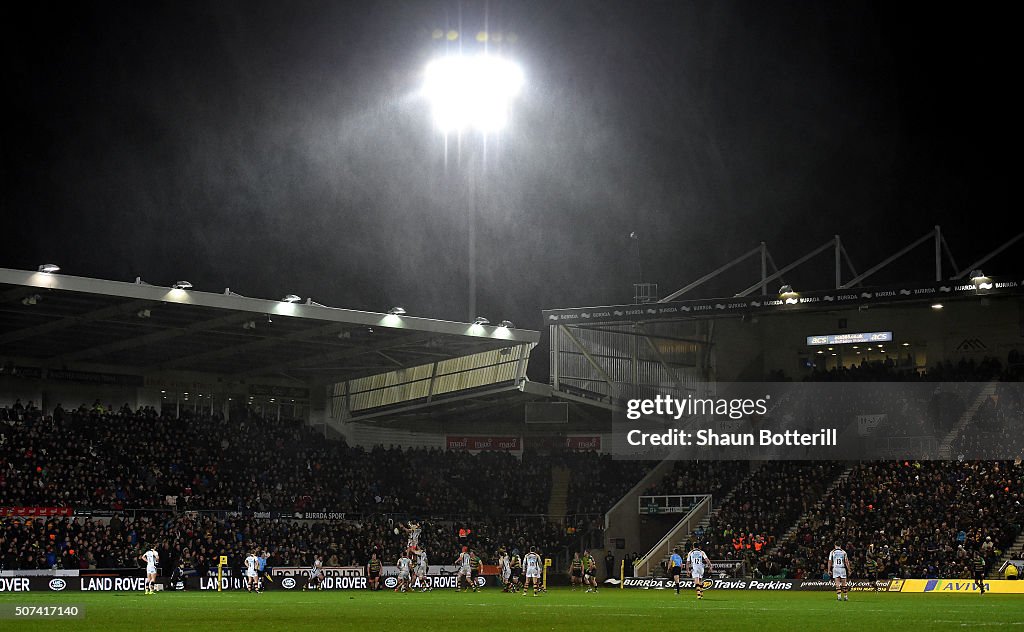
(576, 571)
(373, 570)
(517, 570)
(978, 566)
(590, 571)
(871, 568)
(476, 569)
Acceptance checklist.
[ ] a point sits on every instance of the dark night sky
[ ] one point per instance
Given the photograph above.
(279, 147)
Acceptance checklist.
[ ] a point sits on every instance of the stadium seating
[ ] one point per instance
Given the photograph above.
(916, 519)
(143, 466)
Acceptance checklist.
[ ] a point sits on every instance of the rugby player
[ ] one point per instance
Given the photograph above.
(404, 576)
(252, 565)
(373, 569)
(316, 576)
(506, 569)
(476, 569)
(532, 563)
(421, 570)
(978, 566)
(575, 570)
(413, 531)
(464, 566)
(697, 563)
(590, 571)
(152, 559)
(838, 568)
(516, 570)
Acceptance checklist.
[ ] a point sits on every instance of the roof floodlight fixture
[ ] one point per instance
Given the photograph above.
(471, 91)
(480, 320)
(291, 298)
(182, 285)
(49, 268)
(397, 311)
(936, 305)
(980, 281)
(507, 324)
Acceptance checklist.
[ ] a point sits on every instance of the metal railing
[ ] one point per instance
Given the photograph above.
(642, 567)
(668, 504)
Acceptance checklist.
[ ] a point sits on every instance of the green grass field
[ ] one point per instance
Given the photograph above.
(559, 610)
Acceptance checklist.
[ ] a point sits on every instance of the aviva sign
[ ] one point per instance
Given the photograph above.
(960, 586)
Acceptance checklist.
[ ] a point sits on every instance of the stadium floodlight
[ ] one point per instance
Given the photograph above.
(49, 268)
(980, 281)
(936, 305)
(480, 320)
(397, 311)
(291, 298)
(787, 294)
(471, 91)
(507, 324)
(182, 285)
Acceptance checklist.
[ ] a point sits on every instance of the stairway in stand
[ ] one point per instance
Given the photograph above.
(1012, 554)
(986, 392)
(706, 521)
(559, 501)
(792, 531)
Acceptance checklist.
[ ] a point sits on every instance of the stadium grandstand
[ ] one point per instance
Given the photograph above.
(212, 423)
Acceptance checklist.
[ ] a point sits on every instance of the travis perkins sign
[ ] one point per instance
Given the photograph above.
(825, 299)
(665, 583)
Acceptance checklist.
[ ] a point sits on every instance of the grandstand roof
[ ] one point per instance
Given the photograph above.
(63, 320)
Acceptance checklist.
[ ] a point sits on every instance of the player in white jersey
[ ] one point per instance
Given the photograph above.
(839, 568)
(697, 563)
(462, 562)
(152, 559)
(316, 574)
(252, 567)
(505, 564)
(413, 531)
(532, 565)
(421, 570)
(404, 574)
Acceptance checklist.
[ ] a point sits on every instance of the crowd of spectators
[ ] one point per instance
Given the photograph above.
(700, 477)
(141, 465)
(140, 459)
(597, 481)
(894, 369)
(196, 540)
(913, 519)
(764, 505)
